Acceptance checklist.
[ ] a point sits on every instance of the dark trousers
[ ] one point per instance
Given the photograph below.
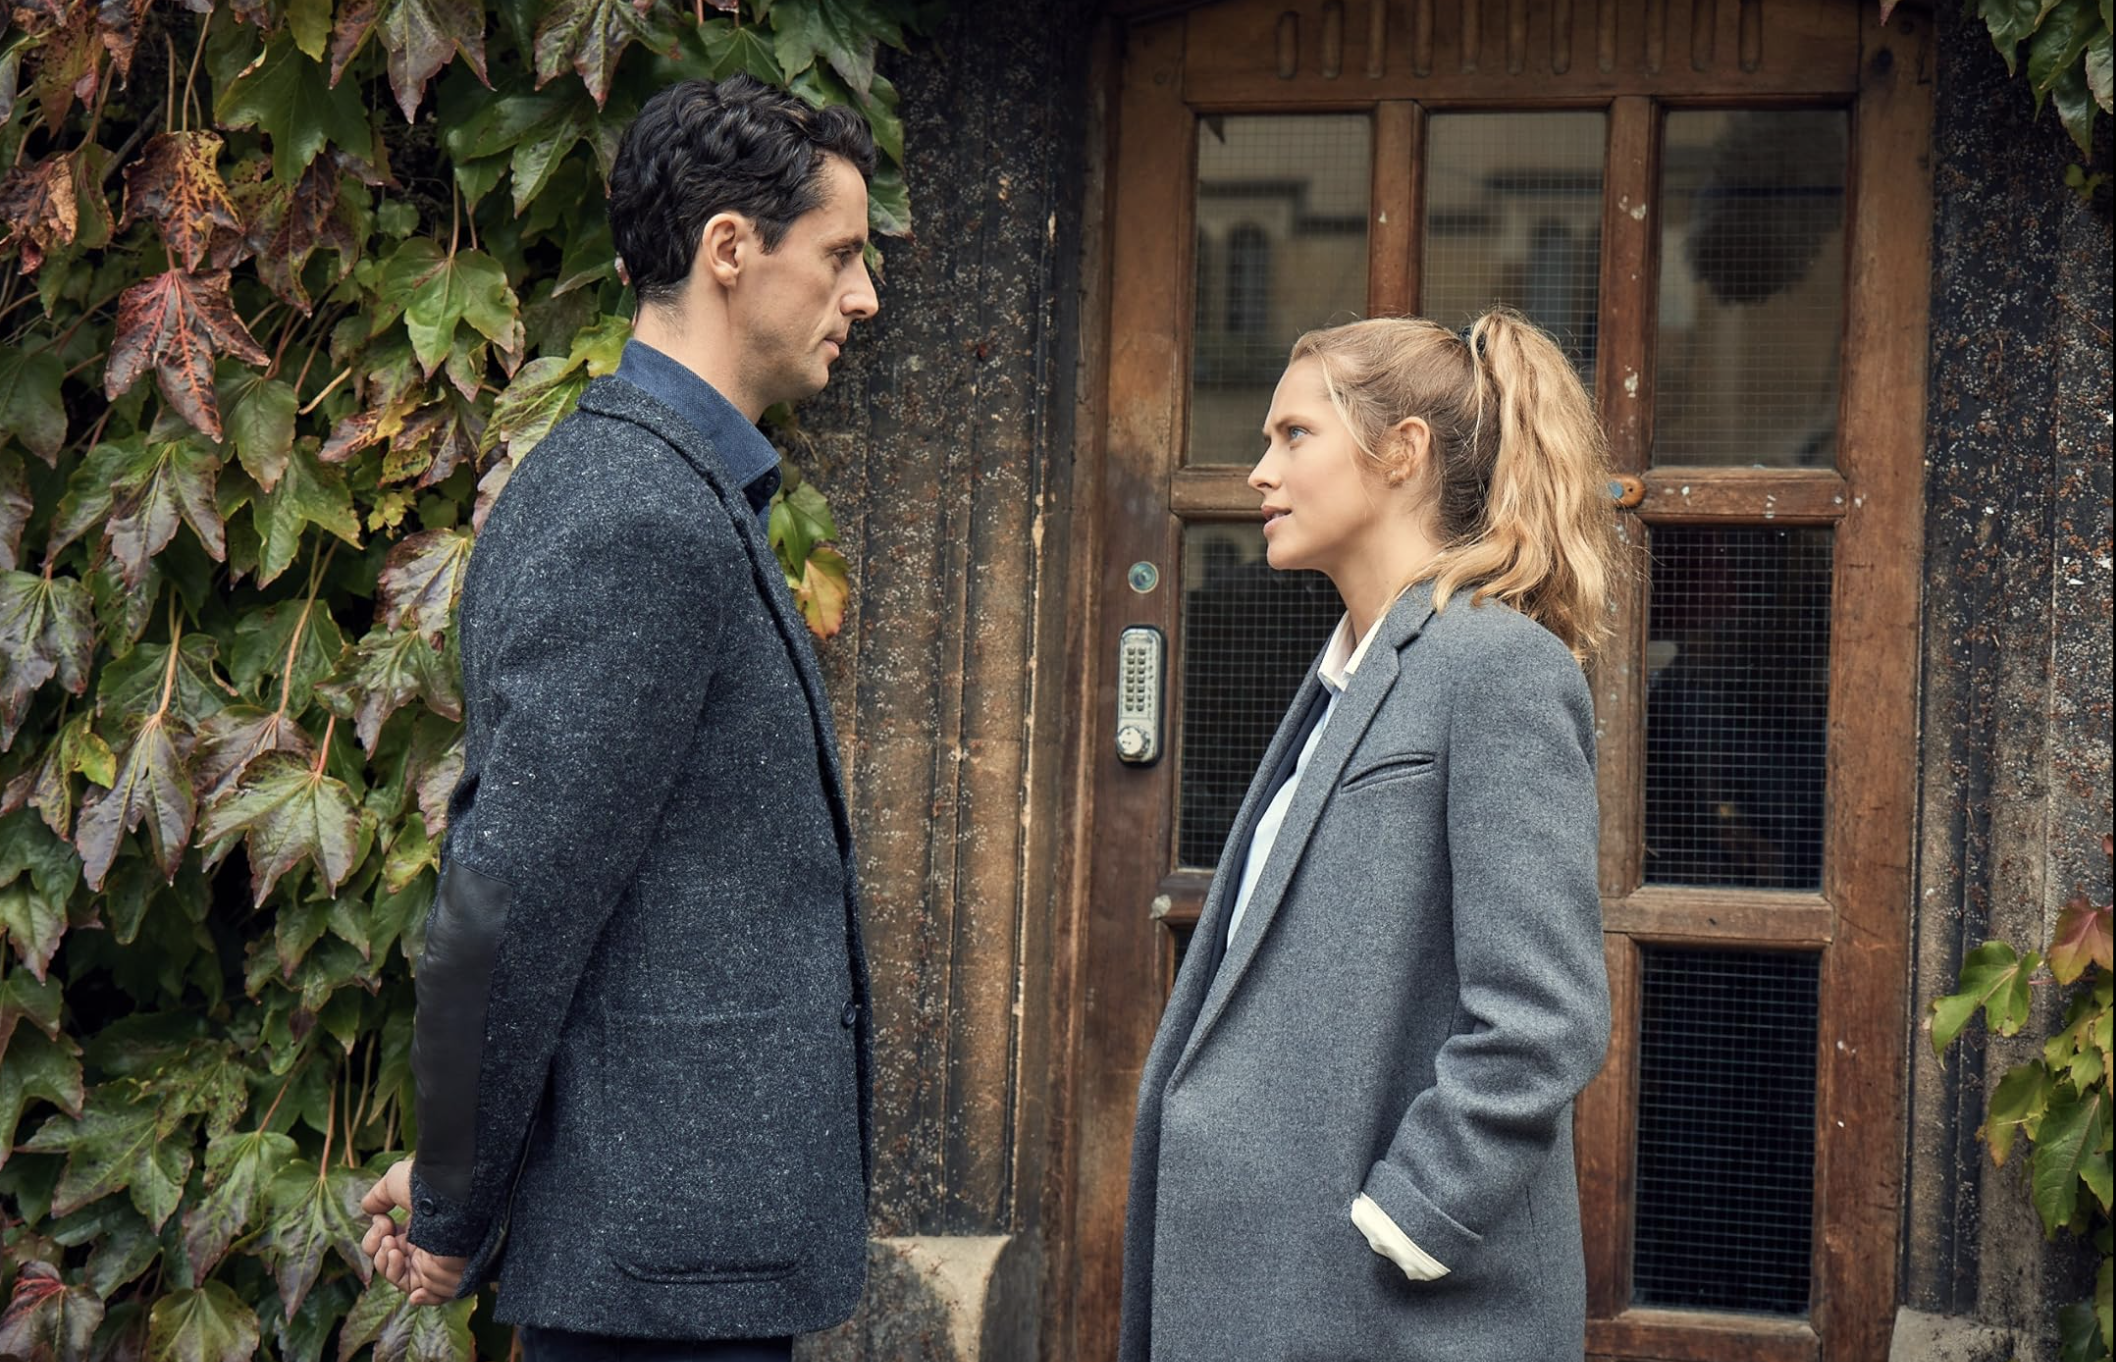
(557, 1345)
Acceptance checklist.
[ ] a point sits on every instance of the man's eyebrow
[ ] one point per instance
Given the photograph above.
(851, 242)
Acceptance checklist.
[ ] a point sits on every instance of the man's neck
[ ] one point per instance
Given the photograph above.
(690, 347)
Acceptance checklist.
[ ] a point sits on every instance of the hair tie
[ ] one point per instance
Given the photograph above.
(1471, 341)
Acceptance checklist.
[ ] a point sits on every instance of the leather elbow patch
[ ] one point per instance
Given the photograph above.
(454, 987)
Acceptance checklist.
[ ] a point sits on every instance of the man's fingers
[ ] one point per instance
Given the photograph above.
(380, 1230)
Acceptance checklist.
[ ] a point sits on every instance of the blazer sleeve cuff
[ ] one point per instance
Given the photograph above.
(1386, 1238)
(441, 1225)
(1409, 1210)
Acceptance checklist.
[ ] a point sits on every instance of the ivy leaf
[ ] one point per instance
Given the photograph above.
(2071, 1148)
(1995, 979)
(535, 130)
(732, 47)
(289, 98)
(34, 922)
(132, 687)
(2059, 40)
(119, 22)
(117, 1144)
(2082, 939)
(124, 1249)
(309, 21)
(403, 1332)
(170, 479)
(261, 423)
(392, 669)
(15, 508)
(888, 203)
(47, 786)
(310, 1215)
(309, 494)
(238, 735)
(2075, 106)
(209, 1324)
(177, 322)
(37, 877)
(23, 996)
(420, 36)
(543, 392)
(291, 223)
(41, 207)
(2097, 65)
(290, 647)
(2017, 1103)
(30, 407)
(47, 630)
(37, 1068)
(843, 33)
(438, 289)
(47, 1320)
(423, 580)
(177, 182)
(68, 67)
(591, 35)
(288, 812)
(153, 786)
(823, 591)
(239, 1167)
(885, 122)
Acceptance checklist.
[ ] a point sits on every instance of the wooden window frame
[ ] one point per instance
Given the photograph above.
(1234, 57)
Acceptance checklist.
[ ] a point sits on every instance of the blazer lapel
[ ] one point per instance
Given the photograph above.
(627, 402)
(1356, 709)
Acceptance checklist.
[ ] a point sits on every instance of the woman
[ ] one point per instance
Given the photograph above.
(1354, 1132)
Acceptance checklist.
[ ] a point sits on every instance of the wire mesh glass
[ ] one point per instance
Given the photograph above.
(1249, 636)
(1737, 706)
(1513, 215)
(1751, 288)
(1281, 248)
(1725, 1187)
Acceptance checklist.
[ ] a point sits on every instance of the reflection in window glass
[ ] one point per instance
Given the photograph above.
(1249, 636)
(1513, 215)
(1282, 247)
(1751, 288)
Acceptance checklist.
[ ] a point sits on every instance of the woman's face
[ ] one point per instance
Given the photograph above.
(1323, 504)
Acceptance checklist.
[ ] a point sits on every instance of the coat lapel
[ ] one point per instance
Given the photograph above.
(627, 402)
(1356, 709)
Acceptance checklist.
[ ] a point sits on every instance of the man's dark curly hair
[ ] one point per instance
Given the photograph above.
(701, 147)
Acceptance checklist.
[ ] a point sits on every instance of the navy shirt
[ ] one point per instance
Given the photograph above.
(741, 446)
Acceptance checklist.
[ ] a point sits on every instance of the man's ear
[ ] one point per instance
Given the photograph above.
(1410, 450)
(722, 248)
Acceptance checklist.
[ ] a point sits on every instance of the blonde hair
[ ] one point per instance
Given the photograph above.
(1519, 460)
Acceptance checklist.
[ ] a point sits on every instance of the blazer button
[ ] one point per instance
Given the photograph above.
(851, 1015)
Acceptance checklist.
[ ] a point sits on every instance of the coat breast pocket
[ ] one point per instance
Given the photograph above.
(1386, 769)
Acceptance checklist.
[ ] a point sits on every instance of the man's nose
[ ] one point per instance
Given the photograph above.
(861, 303)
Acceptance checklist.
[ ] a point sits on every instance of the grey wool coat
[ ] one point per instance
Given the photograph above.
(641, 1046)
(1414, 998)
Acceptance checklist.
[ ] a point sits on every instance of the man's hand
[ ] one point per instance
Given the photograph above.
(425, 1277)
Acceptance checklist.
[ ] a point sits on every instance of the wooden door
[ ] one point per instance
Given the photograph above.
(1721, 207)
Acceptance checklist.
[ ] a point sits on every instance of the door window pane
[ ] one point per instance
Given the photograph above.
(1726, 1130)
(1751, 288)
(1249, 636)
(1513, 215)
(1281, 248)
(1737, 706)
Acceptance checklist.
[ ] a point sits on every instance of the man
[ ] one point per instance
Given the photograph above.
(642, 1042)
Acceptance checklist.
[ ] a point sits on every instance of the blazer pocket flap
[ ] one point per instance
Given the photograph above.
(1392, 766)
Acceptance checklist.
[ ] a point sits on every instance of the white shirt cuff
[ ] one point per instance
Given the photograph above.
(1392, 1243)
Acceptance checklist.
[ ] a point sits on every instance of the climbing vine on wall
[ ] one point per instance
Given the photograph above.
(289, 287)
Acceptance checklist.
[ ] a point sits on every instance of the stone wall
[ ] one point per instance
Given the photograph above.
(2015, 758)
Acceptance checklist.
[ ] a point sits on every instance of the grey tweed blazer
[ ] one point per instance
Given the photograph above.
(641, 1047)
(1414, 999)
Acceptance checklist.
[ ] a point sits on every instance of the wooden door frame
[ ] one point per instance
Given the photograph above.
(1129, 490)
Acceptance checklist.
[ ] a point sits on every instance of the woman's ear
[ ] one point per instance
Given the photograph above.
(1410, 450)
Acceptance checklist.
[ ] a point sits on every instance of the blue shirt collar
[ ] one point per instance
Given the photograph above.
(740, 445)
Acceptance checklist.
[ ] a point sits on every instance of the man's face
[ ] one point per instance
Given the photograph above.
(795, 306)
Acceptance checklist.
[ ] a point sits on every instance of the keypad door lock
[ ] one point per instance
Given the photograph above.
(1140, 654)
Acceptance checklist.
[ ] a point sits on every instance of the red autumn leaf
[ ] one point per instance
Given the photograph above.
(39, 205)
(590, 35)
(423, 580)
(119, 22)
(153, 785)
(351, 435)
(47, 1319)
(420, 37)
(177, 322)
(177, 182)
(2082, 939)
(69, 57)
(238, 735)
(292, 223)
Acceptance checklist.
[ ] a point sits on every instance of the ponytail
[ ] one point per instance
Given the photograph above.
(1520, 461)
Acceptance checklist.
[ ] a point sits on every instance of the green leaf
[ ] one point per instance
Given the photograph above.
(2097, 64)
(30, 407)
(2058, 43)
(591, 35)
(2075, 106)
(2071, 1149)
(2010, 22)
(437, 290)
(124, 1243)
(119, 1143)
(47, 1320)
(730, 47)
(2079, 1334)
(154, 786)
(210, 1324)
(309, 494)
(16, 507)
(534, 130)
(261, 423)
(309, 21)
(1995, 979)
(301, 1338)
(403, 1332)
(542, 394)
(843, 33)
(391, 669)
(2017, 1103)
(420, 37)
(37, 877)
(167, 480)
(885, 122)
(268, 660)
(288, 97)
(288, 812)
(888, 203)
(132, 688)
(33, 922)
(25, 997)
(310, 1215)
(47, 631)
(423, 581)
(37, 1069)
(239, 1167)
